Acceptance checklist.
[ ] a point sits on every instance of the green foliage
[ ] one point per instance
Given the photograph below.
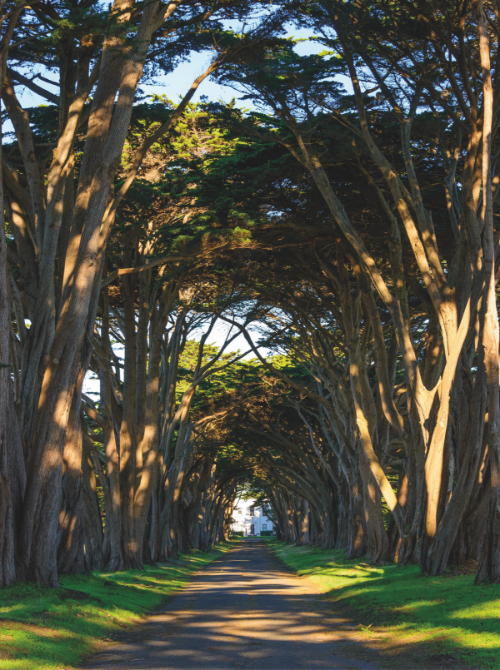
(220, 385)
(256, 399)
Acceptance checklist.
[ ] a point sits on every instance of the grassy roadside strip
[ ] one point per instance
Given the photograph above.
(56, 628)
(446, 621)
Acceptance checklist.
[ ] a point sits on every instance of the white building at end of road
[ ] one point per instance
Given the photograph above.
(249, 519)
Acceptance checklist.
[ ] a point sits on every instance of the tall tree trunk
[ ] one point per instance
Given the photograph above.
(71, 555)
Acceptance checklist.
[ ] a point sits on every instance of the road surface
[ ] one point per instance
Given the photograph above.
(243, 611)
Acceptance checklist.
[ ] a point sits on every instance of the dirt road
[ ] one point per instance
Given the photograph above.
(244, 611)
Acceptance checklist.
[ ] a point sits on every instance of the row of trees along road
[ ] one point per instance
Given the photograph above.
(347, 218)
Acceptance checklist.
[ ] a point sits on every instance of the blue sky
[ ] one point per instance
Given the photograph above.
(177, 82)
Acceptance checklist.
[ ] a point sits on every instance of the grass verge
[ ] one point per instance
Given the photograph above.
(444, 622)
(43, 628)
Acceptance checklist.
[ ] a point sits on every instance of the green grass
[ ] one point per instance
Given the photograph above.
(420, 614)
(56, 628)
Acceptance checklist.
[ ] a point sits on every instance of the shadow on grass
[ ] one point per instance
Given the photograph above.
(447, 620)
(55, 628)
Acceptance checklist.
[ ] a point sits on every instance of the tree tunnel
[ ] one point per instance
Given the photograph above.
(339, 218)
